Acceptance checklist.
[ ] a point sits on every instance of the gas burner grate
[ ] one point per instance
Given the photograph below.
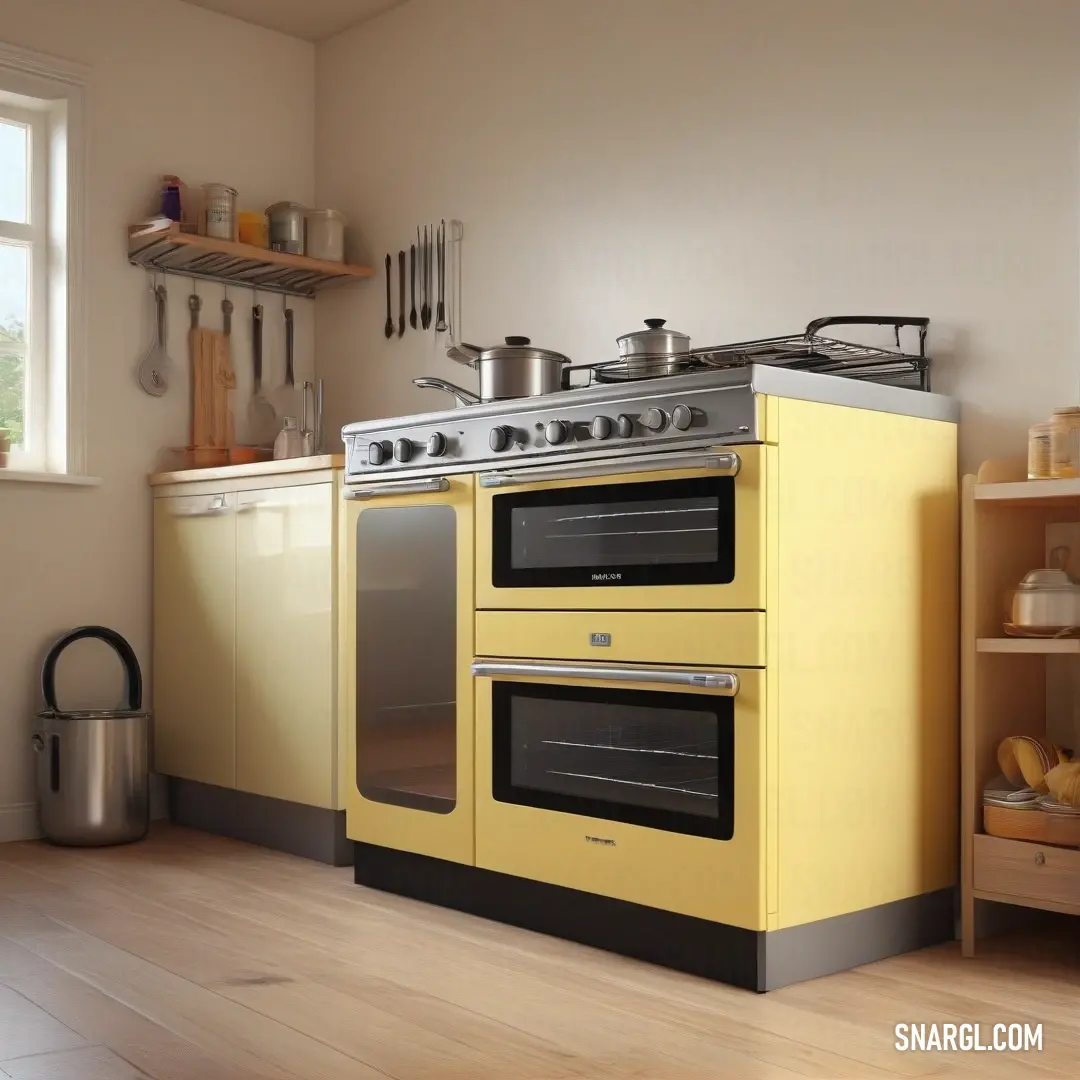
(808, 351)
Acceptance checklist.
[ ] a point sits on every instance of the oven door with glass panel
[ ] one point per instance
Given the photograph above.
(407, 641)
(641, 783)
(678, 531)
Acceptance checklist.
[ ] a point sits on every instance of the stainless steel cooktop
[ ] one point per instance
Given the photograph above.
(680, 412)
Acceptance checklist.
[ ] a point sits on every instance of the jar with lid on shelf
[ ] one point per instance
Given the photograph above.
(219, 211)
(1065, 443)
(1039, 452)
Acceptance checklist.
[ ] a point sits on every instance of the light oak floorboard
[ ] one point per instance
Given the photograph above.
(190, 956)
(93, 1063)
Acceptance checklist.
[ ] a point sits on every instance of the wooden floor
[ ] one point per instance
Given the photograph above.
(193, 958)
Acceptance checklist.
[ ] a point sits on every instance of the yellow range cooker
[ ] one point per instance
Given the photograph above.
(666, 667)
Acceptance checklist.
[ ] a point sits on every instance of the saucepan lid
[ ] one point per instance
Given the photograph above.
(513, 348)
(655, 338)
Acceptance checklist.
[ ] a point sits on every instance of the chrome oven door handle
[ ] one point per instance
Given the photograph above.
(403, 487)
(725, 682)
(726, 464)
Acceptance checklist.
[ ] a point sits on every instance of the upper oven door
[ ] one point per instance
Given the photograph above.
(688, 533)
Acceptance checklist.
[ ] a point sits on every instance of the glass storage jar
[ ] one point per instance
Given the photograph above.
(1039, 439)
(1065, 442)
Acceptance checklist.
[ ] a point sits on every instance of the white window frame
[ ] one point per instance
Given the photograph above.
(49, 97)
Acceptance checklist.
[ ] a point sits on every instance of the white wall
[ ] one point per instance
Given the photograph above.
(174, 89)
(738, 166)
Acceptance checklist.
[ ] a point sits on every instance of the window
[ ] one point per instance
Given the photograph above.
(42, 339)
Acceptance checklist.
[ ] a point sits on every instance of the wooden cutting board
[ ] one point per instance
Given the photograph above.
(212, 377)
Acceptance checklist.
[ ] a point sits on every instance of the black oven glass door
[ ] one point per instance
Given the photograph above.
(653, 758)
(661, 532)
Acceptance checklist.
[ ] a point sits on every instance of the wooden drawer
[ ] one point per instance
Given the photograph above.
(1018, 872)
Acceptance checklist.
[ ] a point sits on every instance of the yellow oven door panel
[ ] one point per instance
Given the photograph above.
(406, 643)
(720, 880)
(746, 591)
(646, 637)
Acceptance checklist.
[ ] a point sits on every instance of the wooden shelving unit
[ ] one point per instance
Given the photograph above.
(170, 251)
(1004, 683)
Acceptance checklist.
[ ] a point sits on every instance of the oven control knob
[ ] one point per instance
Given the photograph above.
(403, 449)
(500, 438)
(376, 453)
(682, 416)
(624, 426)
(557, 431)
(600, 427)
(654, 419)
(436, 445)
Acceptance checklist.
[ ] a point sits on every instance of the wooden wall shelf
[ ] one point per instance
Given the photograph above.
(170, 251)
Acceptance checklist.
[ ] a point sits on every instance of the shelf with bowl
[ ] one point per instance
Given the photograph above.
(168, 250)
(1013, 685)
(1044, 646)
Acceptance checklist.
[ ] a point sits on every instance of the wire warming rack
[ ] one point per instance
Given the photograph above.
(808, 351)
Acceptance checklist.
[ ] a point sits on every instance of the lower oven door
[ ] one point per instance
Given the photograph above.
(406, 638)
(643, 784)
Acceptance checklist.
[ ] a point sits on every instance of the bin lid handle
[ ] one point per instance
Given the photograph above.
(111, 637)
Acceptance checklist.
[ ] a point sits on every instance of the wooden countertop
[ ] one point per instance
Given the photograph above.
(258, 468)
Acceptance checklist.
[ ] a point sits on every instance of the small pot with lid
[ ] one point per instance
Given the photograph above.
(515, 369)
(654, 350)
(1046, 602)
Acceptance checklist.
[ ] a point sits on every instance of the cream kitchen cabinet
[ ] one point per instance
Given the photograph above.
(195, 637)
(245, 637)
(285, 729)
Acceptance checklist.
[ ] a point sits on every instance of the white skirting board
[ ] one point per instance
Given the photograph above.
(19, 822)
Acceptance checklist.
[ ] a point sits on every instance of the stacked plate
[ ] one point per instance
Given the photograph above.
(1048, 804)
(999, 792)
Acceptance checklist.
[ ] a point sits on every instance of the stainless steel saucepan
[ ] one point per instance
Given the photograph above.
(516, 369)
(654, 350)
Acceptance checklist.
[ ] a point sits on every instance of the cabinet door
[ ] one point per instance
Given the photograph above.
(285, 734)
(195, 637)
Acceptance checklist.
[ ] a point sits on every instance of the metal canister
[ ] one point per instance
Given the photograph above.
(219, 211)
(93, 766)
(287, 227)
(1065, 442)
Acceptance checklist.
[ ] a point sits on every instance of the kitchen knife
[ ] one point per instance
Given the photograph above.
(412, 285)
(388, 329)
(440, 313)
(401, 293)
(426, 307)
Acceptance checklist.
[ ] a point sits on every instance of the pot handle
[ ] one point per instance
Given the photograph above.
(895, 321)
(464, 353)
(429, 382)
(111, 637)
(655, 324)
(518, 341)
